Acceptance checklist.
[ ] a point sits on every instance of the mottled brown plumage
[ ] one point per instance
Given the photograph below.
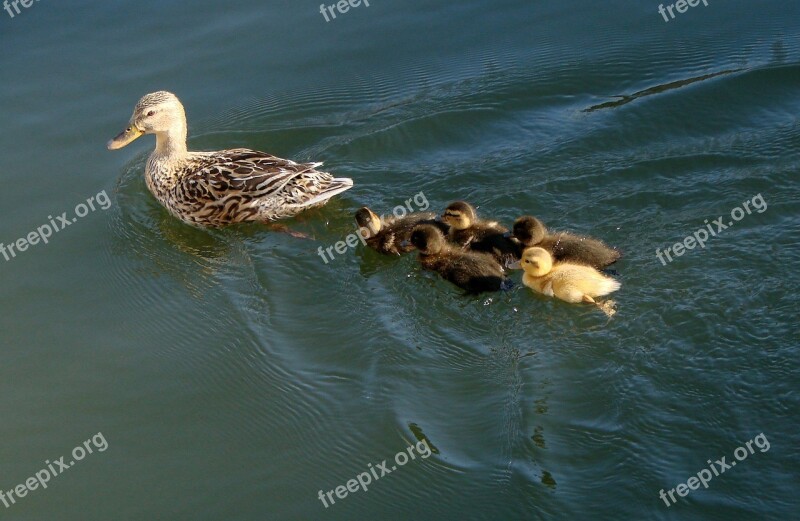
(220, 188)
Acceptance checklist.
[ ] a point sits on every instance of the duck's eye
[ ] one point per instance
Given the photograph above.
(151, 113)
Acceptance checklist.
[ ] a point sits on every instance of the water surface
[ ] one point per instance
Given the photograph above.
(234, 374)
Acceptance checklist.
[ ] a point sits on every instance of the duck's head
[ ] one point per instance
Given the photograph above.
(535, 261)
(369, 221)
(459, 215)
(529, 230)
(159, 113)
(428, 239)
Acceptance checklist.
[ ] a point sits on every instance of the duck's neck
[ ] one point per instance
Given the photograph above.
(171, 145)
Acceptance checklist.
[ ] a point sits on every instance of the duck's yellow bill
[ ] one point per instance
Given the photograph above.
(124, 138)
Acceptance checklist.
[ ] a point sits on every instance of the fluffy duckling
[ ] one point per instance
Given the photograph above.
(468, 231)
(569, 282)
(390, 235)
(473, 272)
(563, 246)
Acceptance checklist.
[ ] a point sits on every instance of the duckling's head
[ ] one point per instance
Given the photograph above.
(428, 239)
(529, 230)
(157, 113)
(459, 215)
(535, 261)
(369, 221)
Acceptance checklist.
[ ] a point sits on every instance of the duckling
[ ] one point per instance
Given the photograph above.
(473, 272)
(569, 282)
(563, 246)
(390, 235)
(468, 231)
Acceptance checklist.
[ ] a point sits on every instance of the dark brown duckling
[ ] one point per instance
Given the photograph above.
(563, 246)
(471, 271)
(390, 235)
(468, 231)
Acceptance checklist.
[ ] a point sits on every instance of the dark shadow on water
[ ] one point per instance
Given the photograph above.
(420, 435)
(627, 98)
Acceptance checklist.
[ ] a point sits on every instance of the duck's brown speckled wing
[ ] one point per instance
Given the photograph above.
(245, 185)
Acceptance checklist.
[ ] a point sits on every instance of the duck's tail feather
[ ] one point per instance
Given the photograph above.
(334, 187)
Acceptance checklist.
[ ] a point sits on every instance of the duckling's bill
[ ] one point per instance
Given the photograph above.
(124, 138)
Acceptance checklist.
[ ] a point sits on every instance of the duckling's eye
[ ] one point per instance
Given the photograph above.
(151, 113)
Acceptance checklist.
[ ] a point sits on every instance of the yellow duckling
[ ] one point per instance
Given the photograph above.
(572, 283)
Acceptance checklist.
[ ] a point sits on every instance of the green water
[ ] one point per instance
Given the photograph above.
(234, 375)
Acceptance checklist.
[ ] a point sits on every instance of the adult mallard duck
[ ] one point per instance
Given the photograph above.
(225, 187)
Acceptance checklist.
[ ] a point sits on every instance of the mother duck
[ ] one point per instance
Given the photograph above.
(215, 189)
